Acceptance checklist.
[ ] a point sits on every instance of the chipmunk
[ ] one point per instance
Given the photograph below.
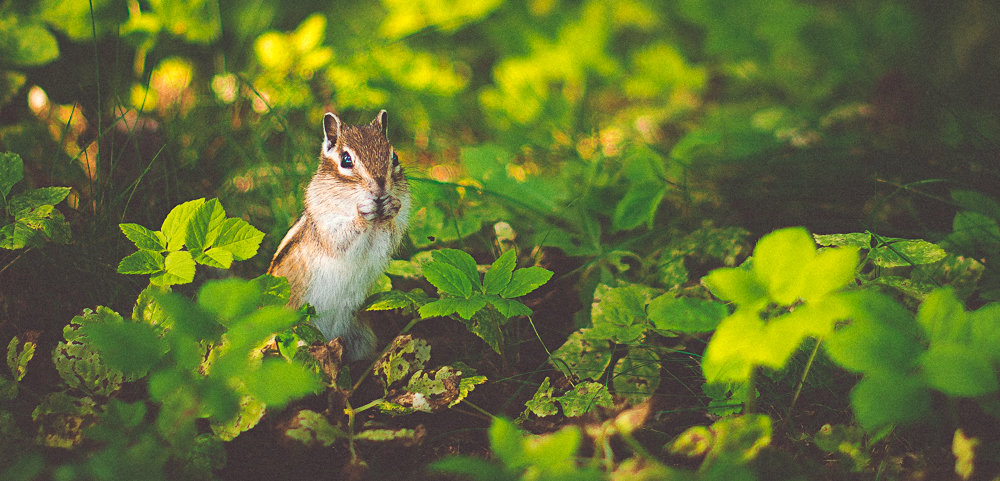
(355, 214)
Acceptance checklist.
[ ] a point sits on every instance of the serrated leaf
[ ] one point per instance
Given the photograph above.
(509, 307)
(440, 308)
(239, 237)
(619, 313)
(142, 262)
(204, 226)
(525, 280)
(542, 403)
(685, 314)
(17, 236)
(175, 225)
(860, 240)
(229, 299)
(215, 257)
(448, 279)
(461, 260)
(22, 203)
(11, 171)
(466, 386)
(144, 238)
(500, 272)
(394, 299)
(582, 357)
(178, 269)
(958, 370)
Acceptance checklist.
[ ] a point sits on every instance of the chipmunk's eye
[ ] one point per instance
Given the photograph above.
(346, 161)
(395, 159)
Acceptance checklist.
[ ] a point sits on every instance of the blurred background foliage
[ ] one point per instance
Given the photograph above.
(594, 126)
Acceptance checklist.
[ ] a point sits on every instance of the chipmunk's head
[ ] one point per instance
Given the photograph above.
(360, 167)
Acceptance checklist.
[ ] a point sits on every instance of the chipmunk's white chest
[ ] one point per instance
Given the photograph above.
(339, 282)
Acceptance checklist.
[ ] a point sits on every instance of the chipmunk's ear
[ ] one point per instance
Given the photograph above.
(331, 131)
(382, 122)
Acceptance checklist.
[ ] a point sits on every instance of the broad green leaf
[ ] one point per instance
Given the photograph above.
(204, 226)
(477, 469)
(525, 280)
(275, 291)
(685, 314)
(130, 347)
(142, 262)
(581, 357)
(619, 313)
(144, 238)
(394, 299)
(639, 205)
(779, 262)
(906, 252)
(637, 375)
(278, 381)
(733, 350)
(462, 261)
(942, 317)
(178, 269)
(975, 232)
(881, 400)
(175, 225)
(585, 397)
(831, 269)
(11, 172)
(406, 356)
(977, 202)
(876, 338)
(486, 325)
(78, 363)
(442, 307)
(448, 279)
(738, 439)
(958, 370)
(229, 299)
(17, 236)
(500, 272)
(735, 284)
(239, 237)
(26, 43)
(507, 443)
(258, 326)
(509, 307)
(311, 428)
(382, 435)
(554, 454)
(187, 317)
(466, 308)
(985, 335)
(21, 203)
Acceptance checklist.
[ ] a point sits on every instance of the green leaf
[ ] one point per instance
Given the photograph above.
(500, 272)
(178, 269)
(466, 386)
(17, 236)
(509, 308)
(894, 252)
(735, 284)
(278, 381)
(11, 171)
(880, 336)
(542, 404)
(440, 308)
(27, 44)
(394, 299)
(275, 291)
(175, 225)
(311, 428)
(779, 262)
(685, 314)
(142, 262)
(585, 397)
(17, 359)
(239, 237)
(958, 370)
(448, 279)
(977, 202)
(215, 257)
(637, 375)
(22, 203)
(639, 205)
(985, 336)
(525, 280)
(619, 313)
(831, 269)
(731, 354)
(942, 317)
(507, 442)
(229, 299)
(144, 238)
(476, 468)
(881, 400)
(860, 240)
(130, 347)
(204, 226)
(461, 260)
(581, 356)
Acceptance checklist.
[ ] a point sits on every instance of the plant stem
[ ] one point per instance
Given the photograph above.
(750, 396)
(802, 381)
